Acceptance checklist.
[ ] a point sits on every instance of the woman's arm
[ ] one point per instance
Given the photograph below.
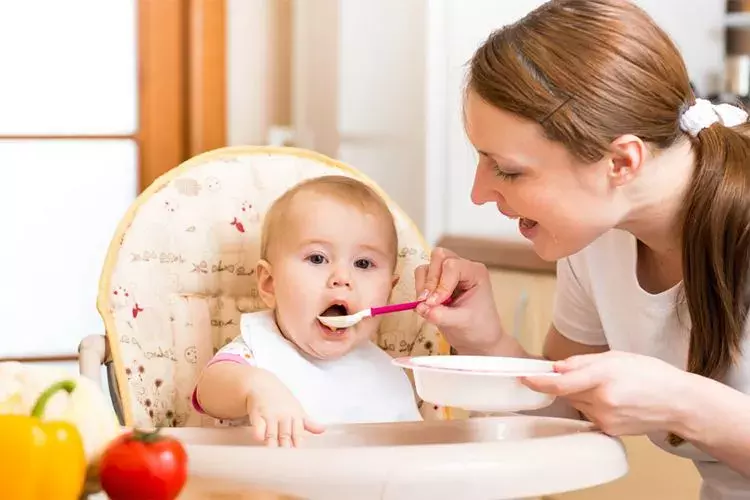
(716, 419)
(556, 347)
(633, 394)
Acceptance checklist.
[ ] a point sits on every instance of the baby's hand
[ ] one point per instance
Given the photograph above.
(276, 415)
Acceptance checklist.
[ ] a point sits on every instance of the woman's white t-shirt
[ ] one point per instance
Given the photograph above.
(600, 302)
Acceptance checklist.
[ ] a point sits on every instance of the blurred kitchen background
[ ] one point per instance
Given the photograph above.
(98, 98)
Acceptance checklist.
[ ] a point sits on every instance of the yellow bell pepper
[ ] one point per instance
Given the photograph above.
(41, 459)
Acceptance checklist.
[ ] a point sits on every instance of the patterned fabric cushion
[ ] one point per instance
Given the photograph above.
(181, 270)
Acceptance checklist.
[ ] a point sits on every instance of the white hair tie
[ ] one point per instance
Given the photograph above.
(703, 114)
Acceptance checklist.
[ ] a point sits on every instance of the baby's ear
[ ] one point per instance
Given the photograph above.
(265, 283)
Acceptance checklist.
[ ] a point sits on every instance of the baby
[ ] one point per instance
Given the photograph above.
(328, 247)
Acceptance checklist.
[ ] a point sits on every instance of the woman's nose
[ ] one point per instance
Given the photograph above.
(481, 191)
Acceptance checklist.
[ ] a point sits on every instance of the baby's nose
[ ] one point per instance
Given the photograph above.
(341, 282)
(340, 279)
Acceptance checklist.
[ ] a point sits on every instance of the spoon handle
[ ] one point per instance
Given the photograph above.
(406, 306)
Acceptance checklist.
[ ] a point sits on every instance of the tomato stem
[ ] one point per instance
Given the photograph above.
(41, 403)
(147, 436)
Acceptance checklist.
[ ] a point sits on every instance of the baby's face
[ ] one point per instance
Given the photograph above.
(332, 259)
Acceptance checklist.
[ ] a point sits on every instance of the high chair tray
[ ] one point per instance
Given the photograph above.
(477, 459)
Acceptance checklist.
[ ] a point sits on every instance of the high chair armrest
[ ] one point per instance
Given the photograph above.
(93, 352)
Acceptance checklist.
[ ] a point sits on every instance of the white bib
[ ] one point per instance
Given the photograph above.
(361, 387)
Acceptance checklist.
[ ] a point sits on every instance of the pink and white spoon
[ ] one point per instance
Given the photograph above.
(353, 319)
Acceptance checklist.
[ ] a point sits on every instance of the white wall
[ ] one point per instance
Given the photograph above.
(697, 28)
(456, 28)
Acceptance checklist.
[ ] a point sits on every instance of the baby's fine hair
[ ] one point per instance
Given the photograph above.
(342, 188)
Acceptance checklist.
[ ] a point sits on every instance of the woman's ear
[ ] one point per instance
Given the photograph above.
(265, 283)
(629, 154)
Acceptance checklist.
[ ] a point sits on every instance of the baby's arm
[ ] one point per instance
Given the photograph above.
(224, 384)
(224, 388)
(232, 387)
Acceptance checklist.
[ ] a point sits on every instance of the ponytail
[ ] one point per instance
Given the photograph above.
(716, 249)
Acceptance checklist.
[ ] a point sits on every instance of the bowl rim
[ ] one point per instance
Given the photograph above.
(412, 363)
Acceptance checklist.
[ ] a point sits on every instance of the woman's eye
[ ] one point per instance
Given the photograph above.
(499, 172)
(316, 259)
(363, 264)
(504, 175)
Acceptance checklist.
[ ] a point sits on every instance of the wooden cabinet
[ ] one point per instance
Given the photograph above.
(654, 475)
(524, 300)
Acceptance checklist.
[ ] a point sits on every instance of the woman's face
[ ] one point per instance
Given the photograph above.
(562, 204)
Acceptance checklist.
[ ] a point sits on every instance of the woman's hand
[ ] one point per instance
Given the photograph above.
(621, 393)
(470, 323)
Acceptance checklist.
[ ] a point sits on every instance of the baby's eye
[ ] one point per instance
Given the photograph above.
(316, 259)
(364, 263)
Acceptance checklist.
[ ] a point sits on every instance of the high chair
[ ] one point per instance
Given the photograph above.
(181, 270)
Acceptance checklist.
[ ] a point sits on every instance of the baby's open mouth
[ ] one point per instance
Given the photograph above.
(335, 309)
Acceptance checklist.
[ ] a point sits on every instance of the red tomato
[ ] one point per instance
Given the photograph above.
(142, 465)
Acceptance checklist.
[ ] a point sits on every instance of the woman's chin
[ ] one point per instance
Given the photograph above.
(547, 255)
(549, 249)
(552, 249)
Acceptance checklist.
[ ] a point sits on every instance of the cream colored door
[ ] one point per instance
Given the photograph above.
(358, 87)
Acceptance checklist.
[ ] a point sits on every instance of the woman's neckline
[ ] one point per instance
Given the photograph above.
(659, 292)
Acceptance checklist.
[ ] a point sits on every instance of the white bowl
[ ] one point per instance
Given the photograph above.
(478, 383)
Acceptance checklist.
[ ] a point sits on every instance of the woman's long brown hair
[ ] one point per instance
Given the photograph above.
(589, 71)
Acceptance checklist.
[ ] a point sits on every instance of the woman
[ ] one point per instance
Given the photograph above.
(588, 132)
